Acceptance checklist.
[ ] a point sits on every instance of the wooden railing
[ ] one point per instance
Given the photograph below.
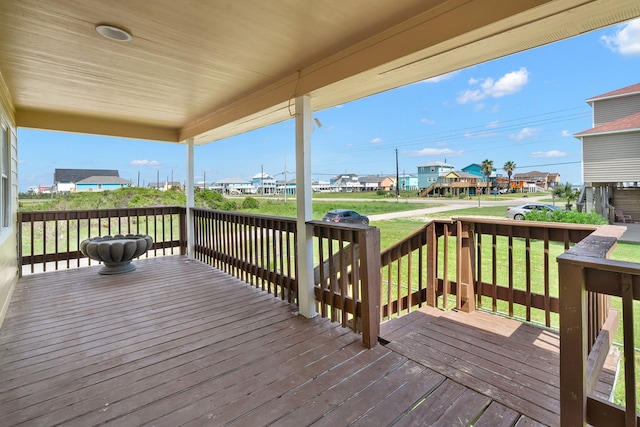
(261, 250)
(51, 239)
(502, 266)
(584, 269)
(347, 276)
(257, 249)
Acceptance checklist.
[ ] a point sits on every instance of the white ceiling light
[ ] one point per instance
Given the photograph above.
(114, 33)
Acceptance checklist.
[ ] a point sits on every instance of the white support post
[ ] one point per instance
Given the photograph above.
(190, 200)
(304, 126)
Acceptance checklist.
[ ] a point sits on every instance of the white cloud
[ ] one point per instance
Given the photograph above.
(508, 84)
(524, 134)
(147, 163)
(565, 133)
(441, 77)
(434, 152)
(626, 41)
(427, 121)
(493, 124)
(483, 134)
(471, 96)
(376, 140)
(547, 154)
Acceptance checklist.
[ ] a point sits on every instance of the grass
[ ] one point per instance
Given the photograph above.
(319, 208)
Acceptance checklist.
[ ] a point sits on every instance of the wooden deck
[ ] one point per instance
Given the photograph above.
(177, 342)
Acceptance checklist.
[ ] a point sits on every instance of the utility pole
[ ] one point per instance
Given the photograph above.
(262, 179)
(138, 178)
(204, 177)
(158, 179)
(397, 179)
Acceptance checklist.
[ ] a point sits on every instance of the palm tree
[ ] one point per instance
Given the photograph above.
(566, 191)
(487, 169)
(509, 167)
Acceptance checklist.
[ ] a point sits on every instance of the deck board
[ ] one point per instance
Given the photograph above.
(177, 342)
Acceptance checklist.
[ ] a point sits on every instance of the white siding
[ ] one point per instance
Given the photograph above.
(611, 158)
(608, 110)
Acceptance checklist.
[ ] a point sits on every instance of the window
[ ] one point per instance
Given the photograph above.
(5, 190)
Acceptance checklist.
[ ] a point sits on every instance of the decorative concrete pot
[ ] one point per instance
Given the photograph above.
(116, 252)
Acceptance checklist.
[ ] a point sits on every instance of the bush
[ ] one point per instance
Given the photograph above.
(208, 199)
(381, 192)
(250, 203)
(570, 217)
(229, 205)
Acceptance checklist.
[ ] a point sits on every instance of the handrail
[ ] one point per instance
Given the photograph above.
(415, 270)
(584, 269)
(54, 236)
(347, 284)
(261, 250)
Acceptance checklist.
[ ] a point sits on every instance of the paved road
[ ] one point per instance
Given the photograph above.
(451, 205)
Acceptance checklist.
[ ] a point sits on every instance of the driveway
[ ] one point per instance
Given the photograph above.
(452, 205)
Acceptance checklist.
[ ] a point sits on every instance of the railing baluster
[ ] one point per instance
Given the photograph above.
(527, 263)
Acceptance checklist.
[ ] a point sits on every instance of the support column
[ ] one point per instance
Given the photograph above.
(588, 197)
(190, 200)
(304, 126)
(600, 208)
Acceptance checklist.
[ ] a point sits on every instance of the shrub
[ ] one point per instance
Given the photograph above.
(229, 205)
(250, 203)
(381, 192)
(208, 199)
(571, 217)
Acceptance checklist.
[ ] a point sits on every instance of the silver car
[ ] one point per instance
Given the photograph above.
(518, 212)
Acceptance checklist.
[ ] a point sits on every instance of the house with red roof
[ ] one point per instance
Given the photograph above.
(611, 153)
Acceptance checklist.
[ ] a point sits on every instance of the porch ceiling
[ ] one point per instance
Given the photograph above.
(213, 69)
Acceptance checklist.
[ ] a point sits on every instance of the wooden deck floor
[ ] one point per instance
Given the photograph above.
(177, 342)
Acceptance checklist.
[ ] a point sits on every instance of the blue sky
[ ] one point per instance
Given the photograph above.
(522, 108)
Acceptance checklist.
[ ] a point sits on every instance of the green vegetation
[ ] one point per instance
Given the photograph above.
(572, 217)
(566, 191)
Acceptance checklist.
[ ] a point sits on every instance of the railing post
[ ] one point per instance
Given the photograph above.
(369, 254)
(573, 344)
(432, 263)
(465, 295)
(183, 230)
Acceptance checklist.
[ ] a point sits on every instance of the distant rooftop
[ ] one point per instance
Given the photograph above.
(75, 175)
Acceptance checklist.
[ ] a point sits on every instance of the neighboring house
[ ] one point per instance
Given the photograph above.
(531, 180)
(459, 182)
(611, 153)
(322, 186)
(374, 183)
(168, 185)
(286, 187)
(65, 180)
(408, 182)
(234, 186)
(346, 183)
(475, 169)
(264, 183)
(429, 173)
(101, 183)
